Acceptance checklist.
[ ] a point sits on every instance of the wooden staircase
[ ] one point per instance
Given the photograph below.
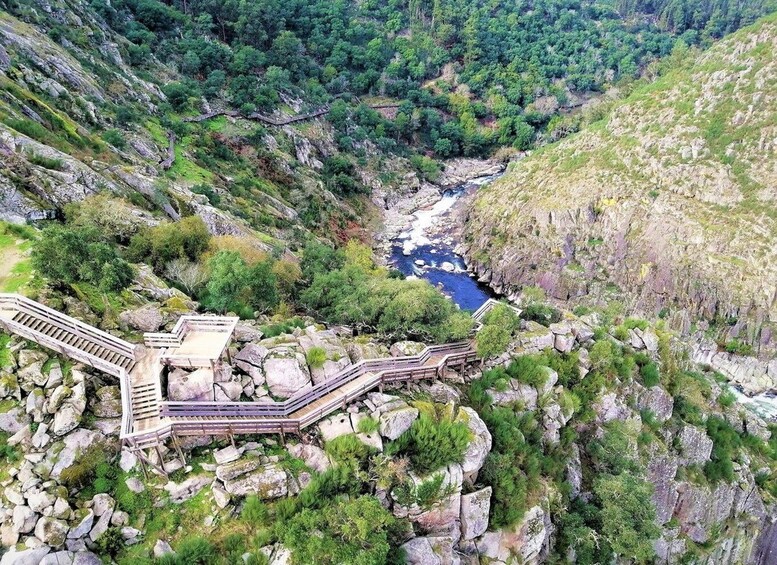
(66, 335)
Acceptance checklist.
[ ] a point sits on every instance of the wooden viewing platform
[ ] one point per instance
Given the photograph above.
(202, 341)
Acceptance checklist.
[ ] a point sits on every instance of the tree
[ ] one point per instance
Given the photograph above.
(229, 277)
(67, 255)
(190, 275)
(263, 284)
(628, 515)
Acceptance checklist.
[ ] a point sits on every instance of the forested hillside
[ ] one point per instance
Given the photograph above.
(666, 204)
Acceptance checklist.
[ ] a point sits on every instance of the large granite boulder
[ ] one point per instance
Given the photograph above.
(196, 385)
(286, 372)
(479, 445)
(430, 550)
(268, 482)
(658, 401)
(475, 507)
(527, 541)
(145, 319)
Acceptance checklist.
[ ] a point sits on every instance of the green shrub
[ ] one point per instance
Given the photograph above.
(424, 495)
(739, 347)
(254, 510)
(316, 357)
(727, 398)
(348, 449)
(115, 137)
(541, 313)
(725, 445)
(68, 255)
(431, 444)
(194, 550)
(650, 375)
(46, 162)
(368, 425)
(347, 532)
(111, 543)
(628, 515)
(9, 453)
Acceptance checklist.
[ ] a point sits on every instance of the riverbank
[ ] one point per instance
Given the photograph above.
(399, 215)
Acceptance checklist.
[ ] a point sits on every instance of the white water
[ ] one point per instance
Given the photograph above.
(762, 404)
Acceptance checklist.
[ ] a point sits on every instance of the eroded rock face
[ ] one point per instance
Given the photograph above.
(475, 507)
(480, 444)
(286, 373)
(567, 230)
(528, 540)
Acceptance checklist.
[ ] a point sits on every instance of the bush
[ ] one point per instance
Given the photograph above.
(358, 531)
(650, 375)
(348, 449)
(115, 137)
(67, 255)
(628, 515)
(739, 347)
(725, 444)
(541, 313)
(188, 238)
(111, 542)
(316, 357)
(499, 326)
(727, 398)
(255, 511)
(194, 550)
(431, 444)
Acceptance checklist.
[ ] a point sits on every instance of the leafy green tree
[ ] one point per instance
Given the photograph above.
(628, 516)
(229, 278)
(67, 255)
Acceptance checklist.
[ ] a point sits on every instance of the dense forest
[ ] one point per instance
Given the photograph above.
(473, 75)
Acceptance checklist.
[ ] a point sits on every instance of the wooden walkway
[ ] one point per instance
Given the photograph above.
(148, 420)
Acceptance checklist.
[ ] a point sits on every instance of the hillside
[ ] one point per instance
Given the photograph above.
(667, 204)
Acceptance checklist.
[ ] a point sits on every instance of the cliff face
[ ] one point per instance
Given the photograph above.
(669, 202)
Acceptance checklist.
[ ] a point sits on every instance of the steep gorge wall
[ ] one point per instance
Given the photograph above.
(667, 203)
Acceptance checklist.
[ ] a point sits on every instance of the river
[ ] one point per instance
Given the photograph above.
(426, 249)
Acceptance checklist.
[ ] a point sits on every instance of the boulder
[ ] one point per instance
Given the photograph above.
(24, 519)
(335, 426)
(314, 457)
(475, 507)
(396, 422)
(251, 354)
(220, 496)
(83, 524)
(145, 319)
(196, 385)
(430, 550)
(232, 470)
(406, 348)
(135, 485)
(267, 483)
(66, 419)
(181, 492)
(75, 443)
(162, 548)
(14, 420)
(50, 531)
(288, 375)
(25, 557)
(515, 392)
(480, 444)
(108, 402)
(526, 542)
